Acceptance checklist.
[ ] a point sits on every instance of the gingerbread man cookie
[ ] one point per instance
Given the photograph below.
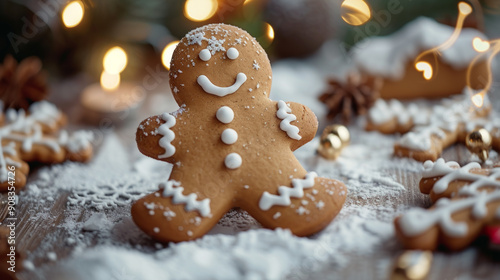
(428, 130)
(466, 199)
(29, 136)
(230, 145)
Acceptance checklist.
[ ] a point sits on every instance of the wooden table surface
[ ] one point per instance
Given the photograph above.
(37, 221)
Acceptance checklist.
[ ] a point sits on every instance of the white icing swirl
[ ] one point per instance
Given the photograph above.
(268, 200)
(173, 189)
(168, 135)
(210, 88)
(284, 113)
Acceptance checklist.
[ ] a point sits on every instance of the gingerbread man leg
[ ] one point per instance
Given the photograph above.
(174, 214)
(305, 205)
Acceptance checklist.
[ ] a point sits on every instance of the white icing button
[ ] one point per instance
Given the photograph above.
(232, 53)
(225, 114)
(233, 161)
(229, 136)
(205, 55)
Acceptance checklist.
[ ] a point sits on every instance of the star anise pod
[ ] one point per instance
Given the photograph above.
(352, 97)
(22, 84)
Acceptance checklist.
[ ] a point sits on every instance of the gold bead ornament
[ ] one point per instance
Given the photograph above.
(333, 139)
(479, 142)
(412, 265)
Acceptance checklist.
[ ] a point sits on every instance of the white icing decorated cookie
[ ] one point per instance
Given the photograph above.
(430, 129)
(230, 145)
(393, 58)
(467, 198)
(27, 136)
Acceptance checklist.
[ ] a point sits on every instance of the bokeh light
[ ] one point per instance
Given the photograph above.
(110, 81)
(480, 45)
(72, 14)
(426, 68)
(200, 10)
(464, 8)
(477, 100)
(269, 31)
(167, 53)
(355, 12)
(115, 60)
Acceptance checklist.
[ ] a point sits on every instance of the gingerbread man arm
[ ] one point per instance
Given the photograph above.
(300, 117)
(154, 137)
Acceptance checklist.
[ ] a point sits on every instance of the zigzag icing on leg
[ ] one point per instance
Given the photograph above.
(285, 193)
(173, 189)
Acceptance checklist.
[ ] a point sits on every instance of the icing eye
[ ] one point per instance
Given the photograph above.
(232, 53)
(205, 55)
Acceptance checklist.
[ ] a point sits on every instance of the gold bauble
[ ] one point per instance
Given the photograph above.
(333, 139)
(479, 142)
(412, 264)
(340, 131)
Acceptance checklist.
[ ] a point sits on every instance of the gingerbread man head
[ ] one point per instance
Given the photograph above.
(230, 145)
(225, 61)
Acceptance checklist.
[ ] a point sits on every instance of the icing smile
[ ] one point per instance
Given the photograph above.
(209, 87)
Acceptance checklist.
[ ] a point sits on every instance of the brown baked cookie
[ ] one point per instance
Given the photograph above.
(230, 145)
(428, 130)
(393, 59)
(31, 137)
(466, 199)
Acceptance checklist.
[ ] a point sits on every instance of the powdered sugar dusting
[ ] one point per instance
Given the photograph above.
(365, 167)
(108, 181)
(237, 247)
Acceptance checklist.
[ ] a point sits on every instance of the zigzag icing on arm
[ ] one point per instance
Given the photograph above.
(268, 200)
(168, 135)
(418, 220)
(174, 190)
(285, 114)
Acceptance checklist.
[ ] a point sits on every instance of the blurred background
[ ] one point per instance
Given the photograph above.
(73, 36)
(75, 39)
